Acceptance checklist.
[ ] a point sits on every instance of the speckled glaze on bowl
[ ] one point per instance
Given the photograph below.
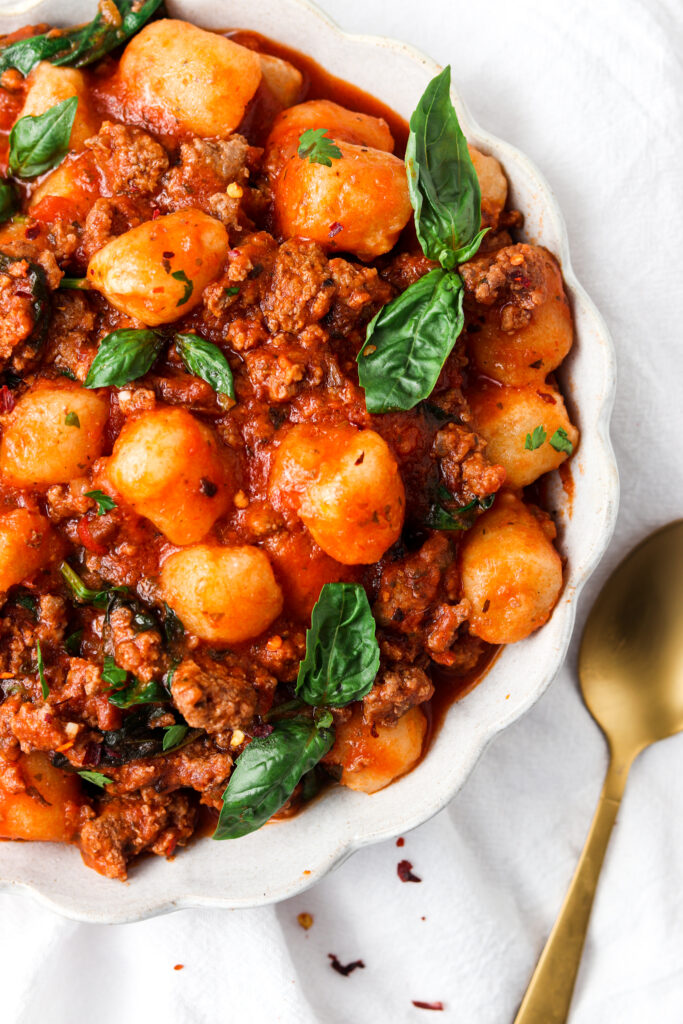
(283, 859)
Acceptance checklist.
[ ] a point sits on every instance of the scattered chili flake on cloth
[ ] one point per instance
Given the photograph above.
(344, 969)
(427, 1006)
(404, 870)
(305, 920)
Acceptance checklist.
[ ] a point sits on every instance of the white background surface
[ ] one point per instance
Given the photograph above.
(593, 93)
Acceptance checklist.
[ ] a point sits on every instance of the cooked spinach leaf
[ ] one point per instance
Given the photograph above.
(112, 674)
(342, 653)
(443, 184)
(38, 143)
(137, 692)
(267, 772)
(72, 643)
(82, 44)
(83, 594)
(9, 200)
(174, 736)
(41, 671)
(29, 603)
(408, 342)
(204, 359)
(124, 356)
(96, 778)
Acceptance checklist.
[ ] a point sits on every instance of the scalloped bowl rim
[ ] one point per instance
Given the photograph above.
(338, 824)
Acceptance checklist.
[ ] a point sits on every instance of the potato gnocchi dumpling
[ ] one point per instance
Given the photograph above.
(168, 466)
(345, 486)
(511, 573)
(222, 594)
(186, 80)
(45, 804)
(54, 433)
(158, 270)
(27, 543)
(527, 429)
(372, 756)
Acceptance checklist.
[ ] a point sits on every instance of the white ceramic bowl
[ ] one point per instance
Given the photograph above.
(284, 859)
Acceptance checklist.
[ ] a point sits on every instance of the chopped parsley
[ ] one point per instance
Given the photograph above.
(316, 146)
(535, 439)
(104, 502)
(71, 419)
(560, 441)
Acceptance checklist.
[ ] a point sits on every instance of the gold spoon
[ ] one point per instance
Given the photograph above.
(631, 671)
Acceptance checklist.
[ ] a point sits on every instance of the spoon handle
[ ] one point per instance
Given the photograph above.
(550, 990)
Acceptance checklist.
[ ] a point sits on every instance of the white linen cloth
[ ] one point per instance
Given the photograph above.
(593, 92)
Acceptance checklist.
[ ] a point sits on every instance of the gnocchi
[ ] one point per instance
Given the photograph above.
(345, 486)
(54, 434)
(27, 543)
(222, 594)
(157, 271)
(506, 417)
(511, 573)
(186, 79)
(48, 806)
(372, 756)
(166, 464)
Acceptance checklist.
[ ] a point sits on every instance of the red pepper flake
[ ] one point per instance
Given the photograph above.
(156, 213)
(178, 967)
(400, 841)
(262, 730)
(86, 538)
(426, 1006)
(32, 231)
(335, 228)
(404, 870)
(344, 969)
(7, 402)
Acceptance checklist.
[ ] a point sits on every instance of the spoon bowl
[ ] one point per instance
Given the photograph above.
(631, 672)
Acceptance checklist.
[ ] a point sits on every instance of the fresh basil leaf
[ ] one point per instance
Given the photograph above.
(535, 439)
(443, 184)
(38, 143)
(173, 736)
(112, 674)
(316, 146)
(96, 778)
(342, 653)
(462, 518)
(204, 359)
(41, 671)
(408, 342)
(71, 420)
(180, 275)
(560, 441)
(82, 44)
(138, 692)
(36, 283)
(124, 356)
(83, 594)
(9, 200)
(104, 502)
(267, 772)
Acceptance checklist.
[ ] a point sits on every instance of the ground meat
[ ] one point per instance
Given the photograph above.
(130, 159)
(300, 290)
(400, 688)
(221, 695)
(200, 765)
(136, 651)
(408, 587)
(65, 501)
(441, 634)
(108, 218)
(128, 825)
(360, 293)
(70, 344)
(205, 168)
(513, 277)
(407, 268)
(84, 696)
(19, 349)
(465, 470)
(278, 377)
